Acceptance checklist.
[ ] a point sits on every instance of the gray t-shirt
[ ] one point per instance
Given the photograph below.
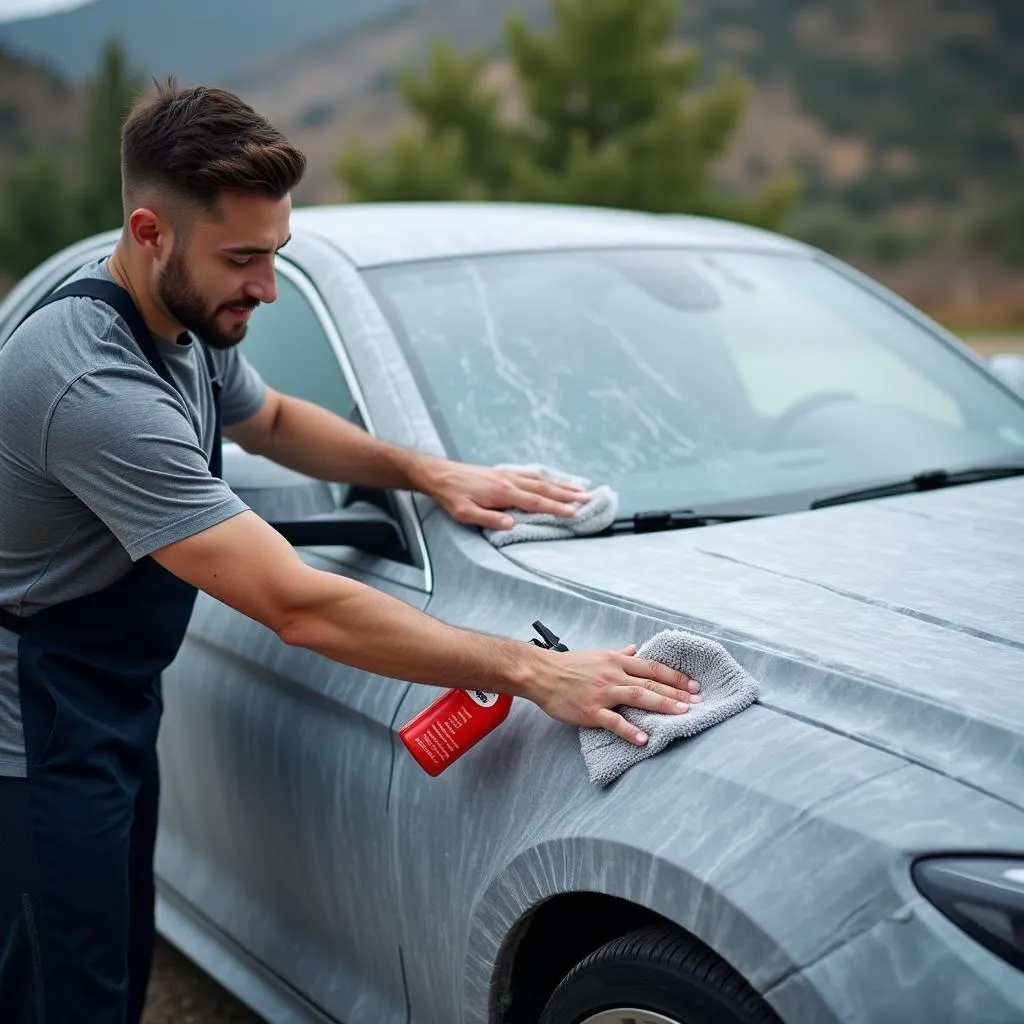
(101, 462)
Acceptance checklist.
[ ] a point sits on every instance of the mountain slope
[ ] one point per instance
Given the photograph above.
(345, 82)
(196, 39)
(880, 104)
(932, 90)
(38, 110)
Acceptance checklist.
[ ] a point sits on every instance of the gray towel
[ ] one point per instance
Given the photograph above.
(592, 517)
(725, 688)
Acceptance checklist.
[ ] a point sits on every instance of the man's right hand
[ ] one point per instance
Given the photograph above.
(584, 687)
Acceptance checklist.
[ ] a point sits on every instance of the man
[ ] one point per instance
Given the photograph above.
(113, 515)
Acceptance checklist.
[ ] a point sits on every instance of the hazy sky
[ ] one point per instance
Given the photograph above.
(10, 9)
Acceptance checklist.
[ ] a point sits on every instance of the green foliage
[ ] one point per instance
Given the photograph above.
(111, 94)
(880, 190)
(37, 216)
(463, 119)
(889, 244)
(1000, 227)
(944, 94)
(827, 227)
(415, 170)
(10, 123)
(879, 239)
(42, 207)
(604, 123)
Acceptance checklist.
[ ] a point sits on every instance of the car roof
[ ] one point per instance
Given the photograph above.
(374, 234)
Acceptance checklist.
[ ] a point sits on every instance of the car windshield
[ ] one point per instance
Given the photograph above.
(690, 379)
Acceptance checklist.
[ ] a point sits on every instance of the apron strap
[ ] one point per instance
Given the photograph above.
(116, 296)
(216, 460)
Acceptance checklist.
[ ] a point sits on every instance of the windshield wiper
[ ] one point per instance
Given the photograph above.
(931, 481)
(654, 521)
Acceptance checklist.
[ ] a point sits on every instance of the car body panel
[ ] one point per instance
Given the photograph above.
(902, 970)
(399, 413)
(771, 782)
(373, 234)
(908, 613)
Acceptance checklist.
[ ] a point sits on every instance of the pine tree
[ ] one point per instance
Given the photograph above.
(1000, 226)
(606, 122)
(37, 216)
(111, 93)
(44, 208)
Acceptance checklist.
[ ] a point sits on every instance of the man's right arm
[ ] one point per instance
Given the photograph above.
(248, 565)
(121, 441)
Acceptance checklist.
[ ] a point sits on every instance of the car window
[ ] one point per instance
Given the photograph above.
(288, 346)
(820, 351)
(689, 379)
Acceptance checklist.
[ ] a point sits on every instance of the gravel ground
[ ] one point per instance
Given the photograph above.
(180, 993)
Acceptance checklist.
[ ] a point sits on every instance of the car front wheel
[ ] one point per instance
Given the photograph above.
(655, 976)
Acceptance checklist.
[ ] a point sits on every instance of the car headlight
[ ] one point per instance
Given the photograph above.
(982, 895)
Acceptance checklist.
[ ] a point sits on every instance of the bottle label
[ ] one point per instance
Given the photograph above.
(484, 699)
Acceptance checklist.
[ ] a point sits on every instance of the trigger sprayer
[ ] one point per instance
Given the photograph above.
(445, 729)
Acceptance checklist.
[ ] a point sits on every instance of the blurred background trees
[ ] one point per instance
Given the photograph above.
(47, 202)
(607, 118)
(890, 134)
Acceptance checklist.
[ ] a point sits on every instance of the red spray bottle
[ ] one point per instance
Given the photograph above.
(444, 730)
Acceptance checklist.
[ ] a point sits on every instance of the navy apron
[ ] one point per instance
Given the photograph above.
(77, 834)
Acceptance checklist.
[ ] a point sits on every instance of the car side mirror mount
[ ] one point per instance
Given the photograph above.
(306, 511)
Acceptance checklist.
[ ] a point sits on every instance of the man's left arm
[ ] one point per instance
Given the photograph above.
(315, 442)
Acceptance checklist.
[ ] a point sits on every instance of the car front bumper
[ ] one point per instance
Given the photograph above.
(913, 966)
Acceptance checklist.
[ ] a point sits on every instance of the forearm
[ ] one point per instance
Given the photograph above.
(359, 626)
(249, 566)
(314, 441)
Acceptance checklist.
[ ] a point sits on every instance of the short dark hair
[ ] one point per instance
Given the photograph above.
(199, 141)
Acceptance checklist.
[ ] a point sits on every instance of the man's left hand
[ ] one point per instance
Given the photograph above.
(478, 495)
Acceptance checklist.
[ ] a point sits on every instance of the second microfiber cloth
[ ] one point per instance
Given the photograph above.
(725, 688)
(592, 517)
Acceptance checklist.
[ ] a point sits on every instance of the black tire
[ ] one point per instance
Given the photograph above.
(662, 971)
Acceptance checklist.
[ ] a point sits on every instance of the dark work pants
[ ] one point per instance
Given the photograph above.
(76, 897)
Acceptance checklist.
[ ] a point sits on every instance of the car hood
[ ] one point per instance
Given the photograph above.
(899, 622)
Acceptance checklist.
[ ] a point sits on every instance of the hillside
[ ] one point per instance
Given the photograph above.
(925, 97)
(877, 103)
(345, 83)
(196, 39)
(912, 109)
(38, 110)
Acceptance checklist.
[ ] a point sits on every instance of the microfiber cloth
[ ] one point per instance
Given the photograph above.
(592, 517)
(725, 689)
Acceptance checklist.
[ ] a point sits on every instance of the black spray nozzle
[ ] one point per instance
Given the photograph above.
(548, 639)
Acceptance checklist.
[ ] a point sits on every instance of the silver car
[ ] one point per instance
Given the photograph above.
(809, 471)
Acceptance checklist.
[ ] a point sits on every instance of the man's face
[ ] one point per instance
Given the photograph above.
(224, 268)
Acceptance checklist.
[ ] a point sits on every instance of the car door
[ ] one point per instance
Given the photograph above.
(277, 761)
